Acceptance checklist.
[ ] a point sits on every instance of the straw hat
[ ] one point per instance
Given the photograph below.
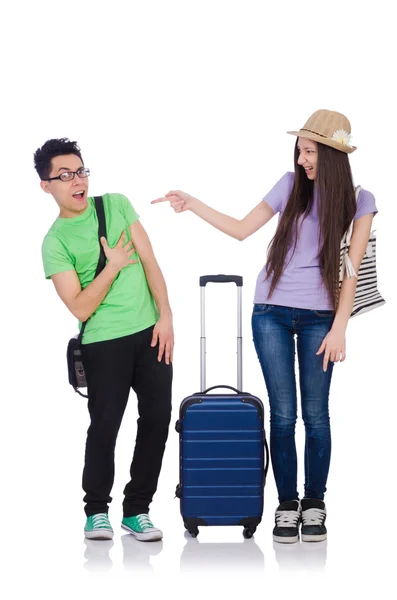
(329, 128)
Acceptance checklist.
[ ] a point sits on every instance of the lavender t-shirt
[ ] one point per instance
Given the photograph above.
(301, 284)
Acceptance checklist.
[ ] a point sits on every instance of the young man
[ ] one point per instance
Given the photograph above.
(128, 340)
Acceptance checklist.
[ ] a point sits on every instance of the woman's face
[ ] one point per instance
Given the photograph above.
(308, 157)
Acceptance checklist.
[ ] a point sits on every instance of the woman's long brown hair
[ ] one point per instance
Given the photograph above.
(336, 209)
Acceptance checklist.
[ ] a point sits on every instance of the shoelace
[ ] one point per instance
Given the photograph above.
(144, 521)
(313, 516)
(287, 518)
(100, 520)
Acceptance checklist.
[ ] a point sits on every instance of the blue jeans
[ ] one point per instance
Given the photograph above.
(274, 329)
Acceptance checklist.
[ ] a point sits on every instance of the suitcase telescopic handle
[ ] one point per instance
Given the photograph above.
(238, 280)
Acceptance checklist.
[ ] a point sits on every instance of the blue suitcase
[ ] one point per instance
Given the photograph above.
(223, 454)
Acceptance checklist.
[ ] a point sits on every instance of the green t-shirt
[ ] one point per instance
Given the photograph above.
(73, 243)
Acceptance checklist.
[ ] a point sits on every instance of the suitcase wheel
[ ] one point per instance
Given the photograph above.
(248, 532)
(194, 531)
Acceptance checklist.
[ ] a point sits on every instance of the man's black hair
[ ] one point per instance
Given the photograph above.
(51, 149)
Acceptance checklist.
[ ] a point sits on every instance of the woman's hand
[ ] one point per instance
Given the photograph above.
(179, 201)
(333, 346)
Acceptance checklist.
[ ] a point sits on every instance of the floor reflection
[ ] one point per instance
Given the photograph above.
(310, 556)
(136, 555)
(97, 555)
(221, 556)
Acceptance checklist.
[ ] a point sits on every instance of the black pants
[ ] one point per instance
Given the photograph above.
(112, 368)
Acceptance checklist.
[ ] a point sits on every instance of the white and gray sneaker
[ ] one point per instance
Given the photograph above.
(287, 518)
(313, 518)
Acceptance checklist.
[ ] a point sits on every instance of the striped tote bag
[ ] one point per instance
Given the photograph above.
(367, 295)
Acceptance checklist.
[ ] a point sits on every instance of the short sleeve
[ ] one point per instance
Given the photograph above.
(365, 204)
(125, 208)
(56, 258)
(278, 196)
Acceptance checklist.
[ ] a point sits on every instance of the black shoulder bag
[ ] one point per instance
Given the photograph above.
(77, 378)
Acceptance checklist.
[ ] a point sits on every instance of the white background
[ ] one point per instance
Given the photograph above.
(196, 96)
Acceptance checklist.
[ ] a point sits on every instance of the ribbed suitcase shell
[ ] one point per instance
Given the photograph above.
(222, 445)
(221, 459)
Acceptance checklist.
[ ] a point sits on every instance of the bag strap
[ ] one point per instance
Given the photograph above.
(349, 232)
(100, 211)
(346, 264)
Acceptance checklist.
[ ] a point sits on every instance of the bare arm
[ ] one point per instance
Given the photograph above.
(82, 303)
(239, 229)
(153, 273)
(334, 343)
(163, 333)
(358, 244)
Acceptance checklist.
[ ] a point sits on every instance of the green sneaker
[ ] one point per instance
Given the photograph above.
(98, 527)
(142, 528)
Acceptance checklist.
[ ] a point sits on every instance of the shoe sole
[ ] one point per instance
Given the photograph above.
(314, 538)
(98, 535)
(286, 540)
(144, 537)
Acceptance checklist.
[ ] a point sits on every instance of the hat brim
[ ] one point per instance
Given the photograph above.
(325, 141)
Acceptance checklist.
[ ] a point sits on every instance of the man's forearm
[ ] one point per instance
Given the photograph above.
(157, 286)
(91, 297)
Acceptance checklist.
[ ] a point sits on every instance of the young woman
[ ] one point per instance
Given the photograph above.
(298, 295)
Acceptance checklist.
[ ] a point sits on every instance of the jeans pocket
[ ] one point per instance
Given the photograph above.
(324, 313)
(261, 309)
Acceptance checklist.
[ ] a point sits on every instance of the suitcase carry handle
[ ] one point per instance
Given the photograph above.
(267, 459)
(229, 387)
(237, 279)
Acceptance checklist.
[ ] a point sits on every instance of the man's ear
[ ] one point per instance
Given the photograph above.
(45, 187)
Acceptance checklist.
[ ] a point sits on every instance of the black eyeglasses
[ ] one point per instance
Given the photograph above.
(69, 175)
